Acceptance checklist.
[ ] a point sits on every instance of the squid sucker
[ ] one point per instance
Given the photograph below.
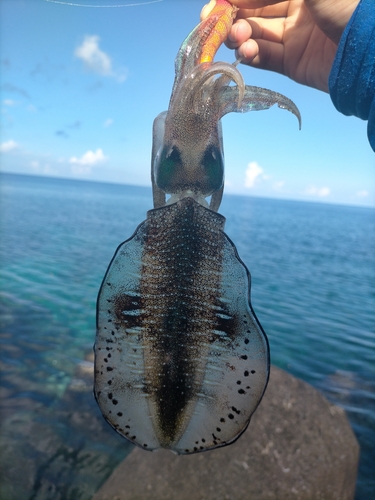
(181, 360)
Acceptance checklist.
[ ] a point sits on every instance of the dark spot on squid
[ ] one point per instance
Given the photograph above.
(109, 368)
(222, 420)
(110, 395)
(231, 416)
(114, 401)
(252, 371)
(246, 373)
(125, 306)
(241, 391)
(235, 410)
(238, 382)
(119, 414)
(218, 429)
(244, 356)
(246, 341)
(109, 382)
(226, 323)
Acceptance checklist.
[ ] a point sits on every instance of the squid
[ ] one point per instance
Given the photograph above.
(181, 360)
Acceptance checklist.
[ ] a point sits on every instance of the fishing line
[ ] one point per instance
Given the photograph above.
(103, 6)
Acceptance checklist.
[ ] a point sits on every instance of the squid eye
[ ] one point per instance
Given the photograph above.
(170, 162)
(213, 165)
(211, 157)
(173, 155)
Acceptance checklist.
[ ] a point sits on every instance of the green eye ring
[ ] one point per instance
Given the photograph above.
(169, 164)
(213, 166)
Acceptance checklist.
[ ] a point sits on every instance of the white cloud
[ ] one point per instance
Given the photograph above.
(362, 194)
(96, 60)
(89, 158)
(7, 146)
(320, 192)
(253, 171)
(108, 122)
(93, 58)
(278, 185)
(84, 164)
(9, 102)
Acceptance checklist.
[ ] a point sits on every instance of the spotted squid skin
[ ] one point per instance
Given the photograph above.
(181, 359)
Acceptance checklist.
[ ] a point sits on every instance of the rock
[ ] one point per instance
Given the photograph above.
(57, 451)
(298, 446)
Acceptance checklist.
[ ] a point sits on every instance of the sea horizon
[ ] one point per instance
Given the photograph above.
(321, 201)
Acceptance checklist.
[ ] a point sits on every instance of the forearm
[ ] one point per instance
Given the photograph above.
(352, 78)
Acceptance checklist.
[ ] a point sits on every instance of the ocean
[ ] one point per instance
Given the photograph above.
(313, 290)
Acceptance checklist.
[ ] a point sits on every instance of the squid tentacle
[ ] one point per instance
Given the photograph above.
(254, 99)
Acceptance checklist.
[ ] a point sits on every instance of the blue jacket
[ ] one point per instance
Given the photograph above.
(352, 78)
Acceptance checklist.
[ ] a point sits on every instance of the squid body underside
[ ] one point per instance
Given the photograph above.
(182, 361)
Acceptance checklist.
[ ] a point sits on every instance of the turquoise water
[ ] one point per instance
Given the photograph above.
(313, 289)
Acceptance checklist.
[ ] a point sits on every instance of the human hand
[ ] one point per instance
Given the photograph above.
(297, 38)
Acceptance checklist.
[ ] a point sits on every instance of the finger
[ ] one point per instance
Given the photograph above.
(257, 28)
(280, 9)
(272, 30)
(207, 9)
(248, 51)
(254, 4)
(269, 56)
(239, 33)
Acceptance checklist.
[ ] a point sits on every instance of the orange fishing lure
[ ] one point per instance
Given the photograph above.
(226, 13)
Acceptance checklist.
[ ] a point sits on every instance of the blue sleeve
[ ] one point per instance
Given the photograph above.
(352, 78)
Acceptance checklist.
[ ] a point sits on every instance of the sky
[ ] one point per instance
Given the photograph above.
(81, 86)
